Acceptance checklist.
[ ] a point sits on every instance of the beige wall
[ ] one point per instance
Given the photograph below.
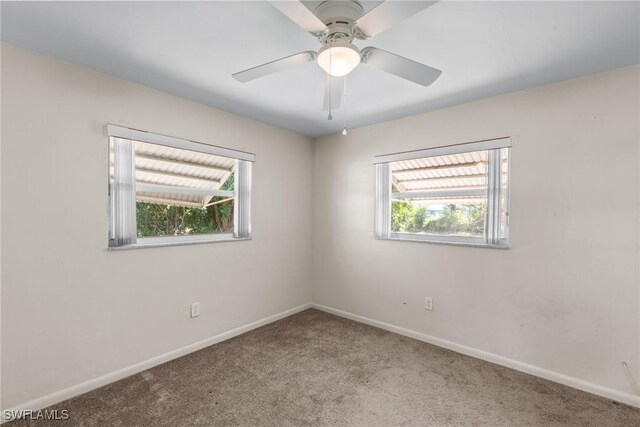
(71, 310)
(566, 296)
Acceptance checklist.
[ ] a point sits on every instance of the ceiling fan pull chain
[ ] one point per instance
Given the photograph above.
(330, 102)
(344, 100)
(330, 87)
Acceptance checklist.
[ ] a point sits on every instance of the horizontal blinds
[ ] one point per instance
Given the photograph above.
(491, 144)
(170, 141)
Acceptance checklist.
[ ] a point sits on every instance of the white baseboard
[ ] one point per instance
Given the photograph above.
(78, 389)
(609, 393)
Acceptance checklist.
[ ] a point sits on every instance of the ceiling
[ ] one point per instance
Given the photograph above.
(190, 49)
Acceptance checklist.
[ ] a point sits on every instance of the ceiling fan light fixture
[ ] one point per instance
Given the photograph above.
(338, 58)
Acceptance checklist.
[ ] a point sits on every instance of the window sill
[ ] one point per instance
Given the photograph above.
(149, 243)
(417, 238)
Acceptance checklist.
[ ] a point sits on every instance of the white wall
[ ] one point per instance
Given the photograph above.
(71, 310)
(566, 296)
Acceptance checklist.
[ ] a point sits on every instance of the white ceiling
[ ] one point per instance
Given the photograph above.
(190, 49)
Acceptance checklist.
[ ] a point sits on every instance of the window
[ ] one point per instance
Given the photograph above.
(165, 190)
(457, 194)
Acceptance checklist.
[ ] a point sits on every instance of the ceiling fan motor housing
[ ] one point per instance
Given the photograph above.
(340, 18)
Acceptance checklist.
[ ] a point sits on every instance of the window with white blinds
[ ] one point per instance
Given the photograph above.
(457, 194)
(166, 190)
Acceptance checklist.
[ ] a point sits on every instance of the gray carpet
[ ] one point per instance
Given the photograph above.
(317, 369)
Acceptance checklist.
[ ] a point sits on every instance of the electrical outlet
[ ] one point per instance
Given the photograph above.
(195, 309)
(428, 303)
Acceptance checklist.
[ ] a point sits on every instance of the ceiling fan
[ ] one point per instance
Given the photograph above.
(338, 25)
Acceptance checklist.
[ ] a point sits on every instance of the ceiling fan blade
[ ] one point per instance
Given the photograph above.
(302, 16)
(334, 86)
(275, 66)
(389, 13)
(400, 66)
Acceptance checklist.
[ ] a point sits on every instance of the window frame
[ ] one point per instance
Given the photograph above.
(494, 192)
(125, 218)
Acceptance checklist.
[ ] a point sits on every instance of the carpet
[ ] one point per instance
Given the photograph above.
(317, 369)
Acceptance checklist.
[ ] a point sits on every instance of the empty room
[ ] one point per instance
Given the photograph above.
(320, 213)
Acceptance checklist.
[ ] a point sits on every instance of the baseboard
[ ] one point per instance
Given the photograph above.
(618, 396)
(78, 389)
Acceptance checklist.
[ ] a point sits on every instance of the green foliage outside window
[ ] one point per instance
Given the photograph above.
(165, 220)
(458, 219)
